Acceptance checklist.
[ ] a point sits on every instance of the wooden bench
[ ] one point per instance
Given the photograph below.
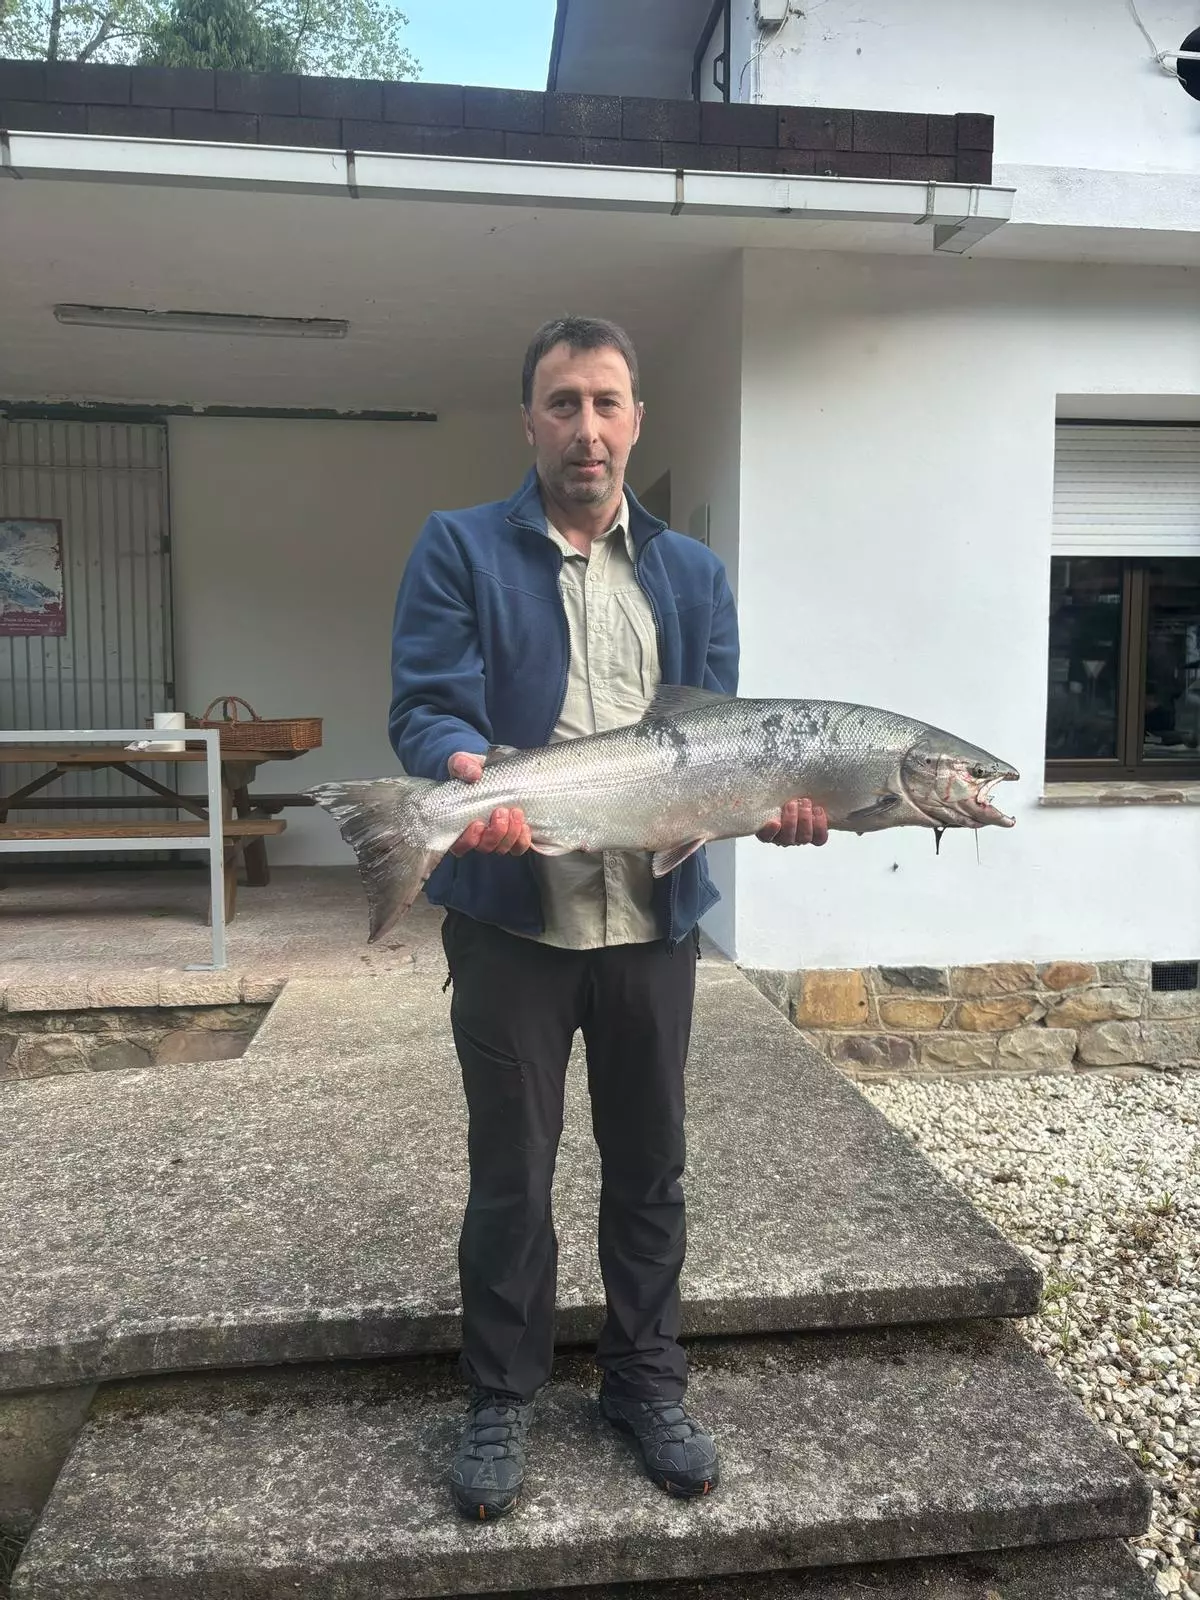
(238, 832)
(270, 804)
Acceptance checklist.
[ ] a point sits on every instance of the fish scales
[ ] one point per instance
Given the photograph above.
(698, 766)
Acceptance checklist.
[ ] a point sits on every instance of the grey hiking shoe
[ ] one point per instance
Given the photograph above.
(678, 1455)
(489, 1467)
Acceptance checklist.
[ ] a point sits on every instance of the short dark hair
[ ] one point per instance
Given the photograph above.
(580, 333)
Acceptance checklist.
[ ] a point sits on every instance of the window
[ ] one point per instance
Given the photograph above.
(1124, 669)
(710, 64)
(1124, 696)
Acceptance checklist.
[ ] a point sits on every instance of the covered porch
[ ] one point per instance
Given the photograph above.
(294, 474)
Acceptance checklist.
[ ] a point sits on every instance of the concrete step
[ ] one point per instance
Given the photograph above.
(1089, 1570)
(330, 1481)
(304, 1202)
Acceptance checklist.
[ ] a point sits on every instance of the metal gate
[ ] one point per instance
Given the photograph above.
(106, 482)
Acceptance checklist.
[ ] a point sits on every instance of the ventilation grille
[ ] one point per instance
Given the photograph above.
(1171, 976)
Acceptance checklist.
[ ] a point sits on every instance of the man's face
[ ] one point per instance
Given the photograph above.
(583, 422)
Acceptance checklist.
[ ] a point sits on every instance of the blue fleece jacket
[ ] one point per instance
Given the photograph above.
(480, 652)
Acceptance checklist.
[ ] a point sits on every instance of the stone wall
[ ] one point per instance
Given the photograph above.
(36, 1044)
(1064, 1016)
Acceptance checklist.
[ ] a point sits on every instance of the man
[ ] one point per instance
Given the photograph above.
(551, 616)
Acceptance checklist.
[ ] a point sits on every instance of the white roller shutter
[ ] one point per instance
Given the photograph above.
(1126, 491)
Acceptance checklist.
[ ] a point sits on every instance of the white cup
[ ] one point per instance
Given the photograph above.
(170, 719)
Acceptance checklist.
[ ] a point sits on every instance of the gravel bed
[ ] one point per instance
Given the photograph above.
(1097, 1179)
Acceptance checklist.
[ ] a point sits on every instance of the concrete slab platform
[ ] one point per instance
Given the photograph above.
(70, 940)
(303, 1203)
(1088, 1570)
(835, 1449)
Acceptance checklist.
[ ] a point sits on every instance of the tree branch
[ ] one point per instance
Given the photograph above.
(55, 30)
(101, 36)
(302, 29)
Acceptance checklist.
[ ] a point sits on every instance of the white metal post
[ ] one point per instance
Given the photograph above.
(216, 843)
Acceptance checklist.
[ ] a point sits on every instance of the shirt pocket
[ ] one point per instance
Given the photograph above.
(631, 615)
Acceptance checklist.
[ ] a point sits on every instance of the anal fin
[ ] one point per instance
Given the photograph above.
(664, 861)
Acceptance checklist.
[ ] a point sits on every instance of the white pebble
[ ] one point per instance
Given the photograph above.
(1120, 1323)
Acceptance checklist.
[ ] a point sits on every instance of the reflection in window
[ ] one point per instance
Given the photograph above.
(1085, 656)
(1172, 717)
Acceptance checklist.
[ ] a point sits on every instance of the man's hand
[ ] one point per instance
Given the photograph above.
(799, 822)
(506, 833)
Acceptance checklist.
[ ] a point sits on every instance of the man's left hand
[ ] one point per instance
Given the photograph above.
(798, 822)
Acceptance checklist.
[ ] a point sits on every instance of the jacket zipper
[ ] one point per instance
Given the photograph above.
(673, 886)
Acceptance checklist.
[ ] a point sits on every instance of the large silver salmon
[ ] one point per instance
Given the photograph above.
(698, 766)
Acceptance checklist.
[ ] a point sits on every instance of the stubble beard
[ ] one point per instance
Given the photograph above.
(582, 493)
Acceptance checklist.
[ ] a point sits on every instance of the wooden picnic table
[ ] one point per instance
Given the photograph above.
(245, 823)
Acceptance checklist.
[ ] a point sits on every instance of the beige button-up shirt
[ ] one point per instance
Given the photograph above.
(595, 900)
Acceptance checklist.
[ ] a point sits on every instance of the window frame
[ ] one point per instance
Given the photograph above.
(1125, 767)
(720, 13)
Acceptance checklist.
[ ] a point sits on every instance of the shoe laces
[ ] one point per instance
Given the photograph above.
(499, 1416)
(667, 1420)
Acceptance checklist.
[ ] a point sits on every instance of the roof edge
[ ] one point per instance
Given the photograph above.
(556, 44)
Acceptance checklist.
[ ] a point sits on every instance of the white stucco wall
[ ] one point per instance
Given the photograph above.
(1070, 82)
(693, 430)
(897, 460)
(289, 541)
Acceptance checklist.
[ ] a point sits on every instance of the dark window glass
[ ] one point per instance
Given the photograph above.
(1085, 658)
(1171, 725)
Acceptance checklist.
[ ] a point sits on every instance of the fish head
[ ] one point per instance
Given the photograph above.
(951, 782)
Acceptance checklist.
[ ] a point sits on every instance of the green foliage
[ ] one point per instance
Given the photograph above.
(343, 38)
(338, 38)
(75, 30)
(216, 33)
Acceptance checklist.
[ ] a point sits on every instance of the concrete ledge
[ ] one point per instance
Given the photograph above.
(125, 990)
(1084, 1571)
(1121, 794)
(36, 1434)
(304, 1202)
(835, 1449)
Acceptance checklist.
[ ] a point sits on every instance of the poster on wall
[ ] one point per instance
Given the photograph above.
(32, 601)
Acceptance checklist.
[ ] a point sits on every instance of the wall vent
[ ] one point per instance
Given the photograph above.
(1172, 976)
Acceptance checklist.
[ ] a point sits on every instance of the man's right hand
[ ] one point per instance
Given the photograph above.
(506, 833)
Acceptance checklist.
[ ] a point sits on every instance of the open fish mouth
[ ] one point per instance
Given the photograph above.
(981, 810)
(952, 784)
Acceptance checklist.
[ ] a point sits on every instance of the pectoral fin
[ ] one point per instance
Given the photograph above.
(866, 817)
(547, 847)
(665, 861)
(500, 752)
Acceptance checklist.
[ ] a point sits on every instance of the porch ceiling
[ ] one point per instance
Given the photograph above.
(441, 297)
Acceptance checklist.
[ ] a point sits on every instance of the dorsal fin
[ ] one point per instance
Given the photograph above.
(674, 699)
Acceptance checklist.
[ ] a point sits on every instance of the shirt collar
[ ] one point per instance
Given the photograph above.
(621, 521)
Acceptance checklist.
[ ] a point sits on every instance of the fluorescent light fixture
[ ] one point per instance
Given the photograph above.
(202, 322)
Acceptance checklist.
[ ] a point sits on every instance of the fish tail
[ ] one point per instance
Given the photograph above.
(379, 820)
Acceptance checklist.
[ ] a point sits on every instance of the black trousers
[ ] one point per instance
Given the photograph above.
(516, 1007)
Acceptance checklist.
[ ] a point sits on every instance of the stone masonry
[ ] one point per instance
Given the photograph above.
(38, 1044)
(1011, 1017)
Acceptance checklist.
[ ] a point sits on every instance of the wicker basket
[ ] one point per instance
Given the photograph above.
(255, 732)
